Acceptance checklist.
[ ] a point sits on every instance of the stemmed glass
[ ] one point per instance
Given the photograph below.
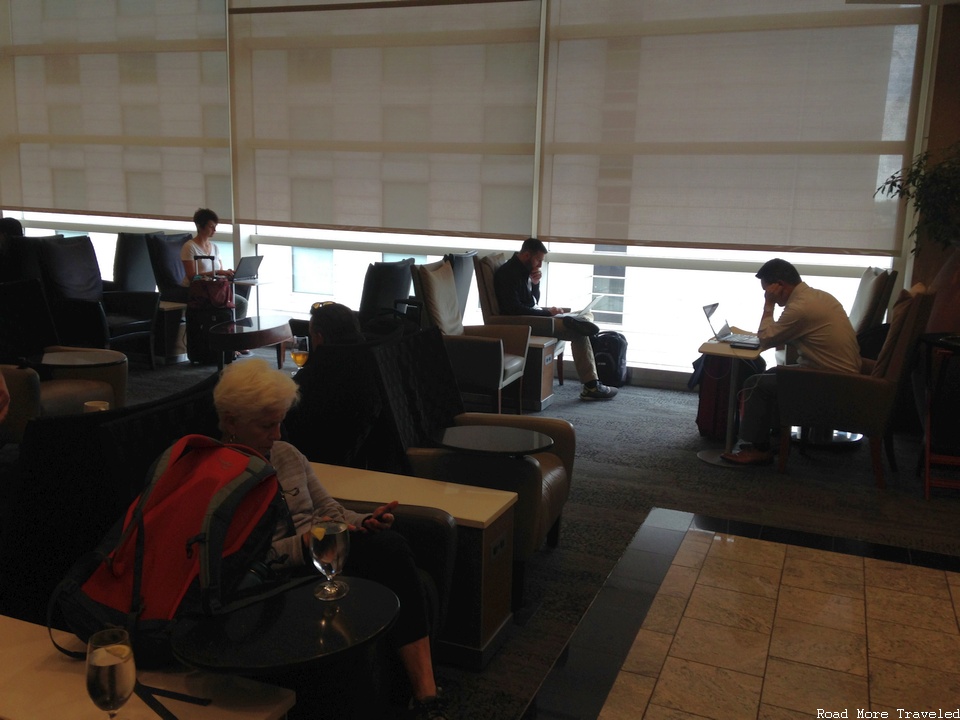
(111, 673)
(300, 351)
(329, 546)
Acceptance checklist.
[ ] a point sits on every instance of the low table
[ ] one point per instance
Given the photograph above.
(251, 333)
(495, 439)
(92, 358)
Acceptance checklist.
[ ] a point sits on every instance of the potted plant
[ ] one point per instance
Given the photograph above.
(933, 186)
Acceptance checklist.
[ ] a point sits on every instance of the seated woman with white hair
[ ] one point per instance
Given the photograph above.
(252, 399)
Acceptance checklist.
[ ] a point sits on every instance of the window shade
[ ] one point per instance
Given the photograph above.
(754, 124)
(414, 118)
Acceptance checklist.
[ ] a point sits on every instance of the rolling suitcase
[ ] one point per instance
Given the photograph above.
(199, 322)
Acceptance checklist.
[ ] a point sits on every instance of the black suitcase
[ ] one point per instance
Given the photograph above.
(199, 322)
(610, 353)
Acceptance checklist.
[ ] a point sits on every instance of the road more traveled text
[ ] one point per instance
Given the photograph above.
(939, 714)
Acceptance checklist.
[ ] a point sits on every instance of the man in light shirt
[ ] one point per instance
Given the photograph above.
(814, 324)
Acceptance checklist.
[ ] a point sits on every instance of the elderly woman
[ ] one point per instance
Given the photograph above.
(252, 399)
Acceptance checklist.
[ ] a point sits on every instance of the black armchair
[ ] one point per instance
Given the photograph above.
(84, 314)
(164, 251)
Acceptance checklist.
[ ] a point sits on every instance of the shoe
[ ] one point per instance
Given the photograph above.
(749, 455)
(598, 392)
(579, 325)
(431, 708)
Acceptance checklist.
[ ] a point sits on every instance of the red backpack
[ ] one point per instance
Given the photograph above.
(190, 543)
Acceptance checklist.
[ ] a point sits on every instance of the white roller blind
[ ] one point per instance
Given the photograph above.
(705, 123)
(415, 118)
(118, 107)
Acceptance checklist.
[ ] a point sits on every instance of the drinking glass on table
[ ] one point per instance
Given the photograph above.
(329, 547)
(111, 673)
(300, 351)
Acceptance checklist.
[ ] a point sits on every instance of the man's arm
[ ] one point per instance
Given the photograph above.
(512, 295)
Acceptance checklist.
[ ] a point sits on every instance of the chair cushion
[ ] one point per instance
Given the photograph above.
(512, 365)
(165, 257)
(872, 283)
(440, 297)
(70, 268)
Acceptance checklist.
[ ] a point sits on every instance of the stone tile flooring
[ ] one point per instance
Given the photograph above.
(698, 621)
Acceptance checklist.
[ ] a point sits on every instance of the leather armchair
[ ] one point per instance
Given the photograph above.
(84, 314)
(485, 358)
(383, 285)
(420, 398)
(861, 403)
(164, 251)
(485, 267)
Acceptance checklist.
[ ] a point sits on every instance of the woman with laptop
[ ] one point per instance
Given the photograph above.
(202, 245)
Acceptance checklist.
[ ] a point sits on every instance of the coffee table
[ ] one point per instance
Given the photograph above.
(251, 333)
(495, 439)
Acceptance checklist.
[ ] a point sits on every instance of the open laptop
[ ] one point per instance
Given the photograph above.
(737, 340)
(248, 267)
(589, 306)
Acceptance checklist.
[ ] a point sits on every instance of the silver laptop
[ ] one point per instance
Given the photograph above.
(587, 308)
(248, 267)
(739, 340)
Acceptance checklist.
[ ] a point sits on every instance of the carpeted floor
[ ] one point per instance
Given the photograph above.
(638, 452)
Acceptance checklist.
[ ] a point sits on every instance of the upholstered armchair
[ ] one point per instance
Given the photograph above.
(421, 398)
(485, 358)
(164, 251)
(85, 315)
(383, 285)
(860, 403)
(485, 267)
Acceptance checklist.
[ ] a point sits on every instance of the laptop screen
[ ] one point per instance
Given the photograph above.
(248, 267)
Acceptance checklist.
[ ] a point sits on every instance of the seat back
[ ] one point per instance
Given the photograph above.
(485, 268)
(907, 323)
(872, 299)
(462, 264)
(132, 269)
(168, 269)
(70, 269)
(383, 284)
(435, 285)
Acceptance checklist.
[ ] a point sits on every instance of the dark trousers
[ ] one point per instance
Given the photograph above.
(759, 411)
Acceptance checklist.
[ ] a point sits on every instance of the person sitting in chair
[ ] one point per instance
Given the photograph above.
(337, 417)
(252, 400)
(517, 285)
(815, 324)
(202, 245)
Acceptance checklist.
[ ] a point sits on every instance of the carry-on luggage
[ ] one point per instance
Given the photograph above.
(610, 353)
(712, 374)
(199, 322)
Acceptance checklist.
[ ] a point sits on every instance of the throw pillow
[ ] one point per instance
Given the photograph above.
(440, 297)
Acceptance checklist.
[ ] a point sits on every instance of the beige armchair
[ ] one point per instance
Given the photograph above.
(485, 267)
(856, 403)
(65, 393)
(420, 399)
(485, 358)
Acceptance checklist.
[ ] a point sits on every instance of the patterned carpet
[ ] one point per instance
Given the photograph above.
(637, 452)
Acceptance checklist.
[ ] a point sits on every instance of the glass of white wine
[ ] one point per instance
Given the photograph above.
(111, 673)
(300, 351)
(329, 546)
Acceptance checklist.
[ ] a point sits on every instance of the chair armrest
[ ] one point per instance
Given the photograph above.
(23, 384)
(842, 401)
(477, 361)
(431, 534)
(515, 338)
(563, 434)
(81, 323)
(141, 305)
(538, 324)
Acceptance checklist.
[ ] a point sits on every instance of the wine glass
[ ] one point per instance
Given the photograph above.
(300, 351)
(329, 546)
(111, 673)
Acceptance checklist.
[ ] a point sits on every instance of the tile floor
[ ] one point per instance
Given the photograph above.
(704, 618)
